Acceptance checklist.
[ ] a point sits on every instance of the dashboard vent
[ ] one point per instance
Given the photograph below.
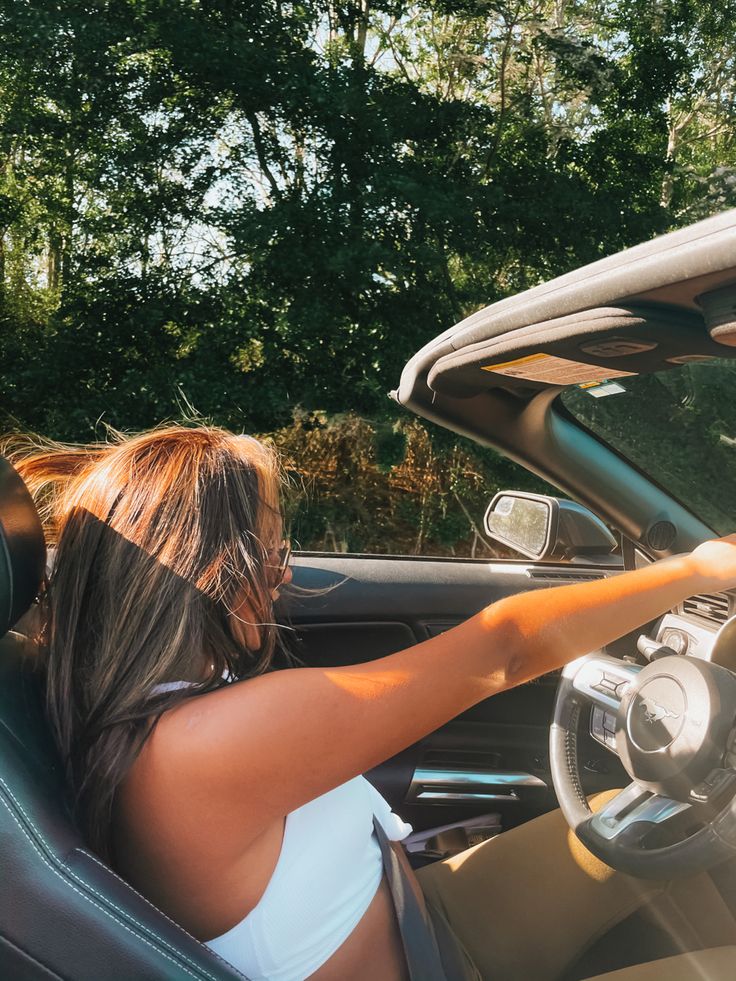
(712, 606)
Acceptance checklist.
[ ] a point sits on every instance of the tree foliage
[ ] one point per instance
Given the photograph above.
(262, 209)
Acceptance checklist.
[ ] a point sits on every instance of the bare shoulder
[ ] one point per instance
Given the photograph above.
(183, 777)
(196, 857)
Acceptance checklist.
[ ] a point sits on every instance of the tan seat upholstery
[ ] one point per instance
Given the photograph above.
(714, 964)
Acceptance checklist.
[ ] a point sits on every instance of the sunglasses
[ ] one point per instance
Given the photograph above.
(278, 562)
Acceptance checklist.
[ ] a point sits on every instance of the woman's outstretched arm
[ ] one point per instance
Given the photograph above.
(254, 751)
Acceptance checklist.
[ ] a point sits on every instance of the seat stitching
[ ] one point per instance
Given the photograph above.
(105, 899)
(84, 895)
(83, 851)
(87, 885)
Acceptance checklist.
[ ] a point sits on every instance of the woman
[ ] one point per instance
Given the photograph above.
(238, 808)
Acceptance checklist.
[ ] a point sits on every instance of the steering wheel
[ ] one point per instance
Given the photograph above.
(671, 723)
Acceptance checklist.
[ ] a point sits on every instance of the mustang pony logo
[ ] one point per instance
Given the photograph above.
(654, 712)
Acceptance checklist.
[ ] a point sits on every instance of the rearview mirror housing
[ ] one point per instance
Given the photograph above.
(543, 527)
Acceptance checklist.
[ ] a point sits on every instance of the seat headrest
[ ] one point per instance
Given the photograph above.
(22, 548)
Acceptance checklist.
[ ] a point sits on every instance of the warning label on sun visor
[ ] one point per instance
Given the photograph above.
(554, 371)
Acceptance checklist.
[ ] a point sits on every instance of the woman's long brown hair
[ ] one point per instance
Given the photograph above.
(159, 537)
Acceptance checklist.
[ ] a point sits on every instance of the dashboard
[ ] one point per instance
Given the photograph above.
(703, 626)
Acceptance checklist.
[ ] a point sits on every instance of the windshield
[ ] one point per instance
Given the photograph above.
(678, 426)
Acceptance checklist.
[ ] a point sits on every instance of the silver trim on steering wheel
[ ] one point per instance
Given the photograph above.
(603, 679)
(634, 805)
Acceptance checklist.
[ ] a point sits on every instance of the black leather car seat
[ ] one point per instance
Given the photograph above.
(63, 913)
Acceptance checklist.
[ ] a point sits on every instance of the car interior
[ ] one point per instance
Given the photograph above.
(496, 377)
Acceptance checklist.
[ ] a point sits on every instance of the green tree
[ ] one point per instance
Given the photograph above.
(255, 208)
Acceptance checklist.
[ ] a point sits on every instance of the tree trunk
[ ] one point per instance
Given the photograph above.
(668, 181)
(53, 261)
(361, 33)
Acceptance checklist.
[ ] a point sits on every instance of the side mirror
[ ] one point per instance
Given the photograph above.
(544, 527)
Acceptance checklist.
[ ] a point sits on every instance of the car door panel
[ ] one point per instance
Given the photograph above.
(336, 642)
(491, 758)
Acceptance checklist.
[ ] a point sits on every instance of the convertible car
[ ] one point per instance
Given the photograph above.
(615, 383)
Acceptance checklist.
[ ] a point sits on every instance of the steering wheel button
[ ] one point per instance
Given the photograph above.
(710, 787)
(715, 784)
(596, 724)
(700, 794)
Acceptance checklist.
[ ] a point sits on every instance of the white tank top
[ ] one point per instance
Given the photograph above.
(328, 871)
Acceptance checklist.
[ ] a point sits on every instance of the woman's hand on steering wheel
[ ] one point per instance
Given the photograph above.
(715, 562)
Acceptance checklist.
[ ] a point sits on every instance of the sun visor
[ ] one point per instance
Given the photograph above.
(588, 347)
